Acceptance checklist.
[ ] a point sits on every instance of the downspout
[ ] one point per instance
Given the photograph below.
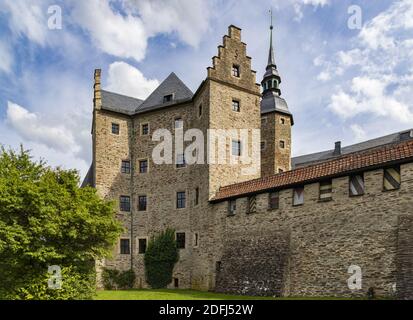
(132, 166)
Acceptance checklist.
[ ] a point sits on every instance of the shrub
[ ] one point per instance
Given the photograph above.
(114, 279)
(160, 258)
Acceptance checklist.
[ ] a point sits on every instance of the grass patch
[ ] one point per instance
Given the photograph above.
(170, 294)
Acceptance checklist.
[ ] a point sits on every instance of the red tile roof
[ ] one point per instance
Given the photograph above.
(385, 155)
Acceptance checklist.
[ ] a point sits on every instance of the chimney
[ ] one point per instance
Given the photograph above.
(337, 148)
(97, 97)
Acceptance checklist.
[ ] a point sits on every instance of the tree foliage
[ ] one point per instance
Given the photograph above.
(46, 219)
(160, 258)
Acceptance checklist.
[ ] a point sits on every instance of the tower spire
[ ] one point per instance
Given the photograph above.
(271, 60)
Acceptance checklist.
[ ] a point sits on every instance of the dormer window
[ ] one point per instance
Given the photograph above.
(235, 71)
(168, 98)
(406, 135)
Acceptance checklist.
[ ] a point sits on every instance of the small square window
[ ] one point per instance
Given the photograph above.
(143, 166)
(273, 200)
(235, 71)
(236, 148)
(124, 203)
(145, 129)
(280, 170)
(180, 240)
(115, 128)
(392, 178)
(232, 207)
(180, 200)
(167, 98)
(357, 185)
(125, 167)
(252, 204)
(142, 202)
(142, 245)
(282, 121)
(179, 123)
(263, 145)
(282, 144)
(124, 246)
(326, 190)
(236, 106)
(196, 196)
(298, 196)
(180, 161)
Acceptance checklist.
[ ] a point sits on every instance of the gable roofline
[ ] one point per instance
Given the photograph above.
(387, 155)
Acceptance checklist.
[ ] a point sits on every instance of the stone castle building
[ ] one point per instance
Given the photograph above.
(295, 227)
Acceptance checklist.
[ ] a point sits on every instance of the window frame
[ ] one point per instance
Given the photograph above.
(178, 120)
(140, 251)
(298, 204)
(232, 210)
(196, 239)
(180, 200)
(140, 166)
(272, 207)
(145, 208)
(142, 129)
(122, 247)
(122, 203)
(196, 198)
(282, 144)
(320, 190)
(125, 169)
(236, 71)
(166, 97)
(236, 105)
(115, 125)
(238, 142)
(397, 168)
(179, 244)
(363, 186)
(180, 165)
(252, 204)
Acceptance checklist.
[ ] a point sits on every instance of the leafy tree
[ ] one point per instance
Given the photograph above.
(45, 220)
(160, 258)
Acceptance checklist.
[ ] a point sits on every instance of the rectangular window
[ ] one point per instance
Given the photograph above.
(282, 121)
(142, 201)
(391, 179)
(179, 123)
(124, 246)
(115, 128)
(143, 166)
(273, 200)
(180, 161)
(145, 129)
(263, 145)
(125, 167)
(282, 144)
(235, 71)
(236, 106)
(252, 204)
(180, 200)
(200, 110)
(142, 246)
(326, 190)
(298, 196)
(357, 185)
(236, 148)
(124, 203)
(180, 240)
(196, 196)
(232, 207)
(167, 98)
(196, 239)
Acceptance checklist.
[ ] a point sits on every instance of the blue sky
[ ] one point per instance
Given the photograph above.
(340, 83)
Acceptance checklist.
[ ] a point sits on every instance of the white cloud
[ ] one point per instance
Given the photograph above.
(111, 32)
(27, 19)
(359, 133)
(30, 127)
(298, 4)
(6, 61)
(128, 80)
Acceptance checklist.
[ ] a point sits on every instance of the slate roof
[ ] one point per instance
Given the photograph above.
(119, 103)
(391, 153)
(88, 181)
(271, 102)
(171, 85)
(312, 158)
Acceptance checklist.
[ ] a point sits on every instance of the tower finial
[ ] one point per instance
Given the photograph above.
(271, 59)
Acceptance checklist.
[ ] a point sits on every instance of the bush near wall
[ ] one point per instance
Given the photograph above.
(46, 220)
(114, 279)
(160, 258)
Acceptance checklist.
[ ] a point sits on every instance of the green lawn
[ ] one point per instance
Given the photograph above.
(167, 294)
